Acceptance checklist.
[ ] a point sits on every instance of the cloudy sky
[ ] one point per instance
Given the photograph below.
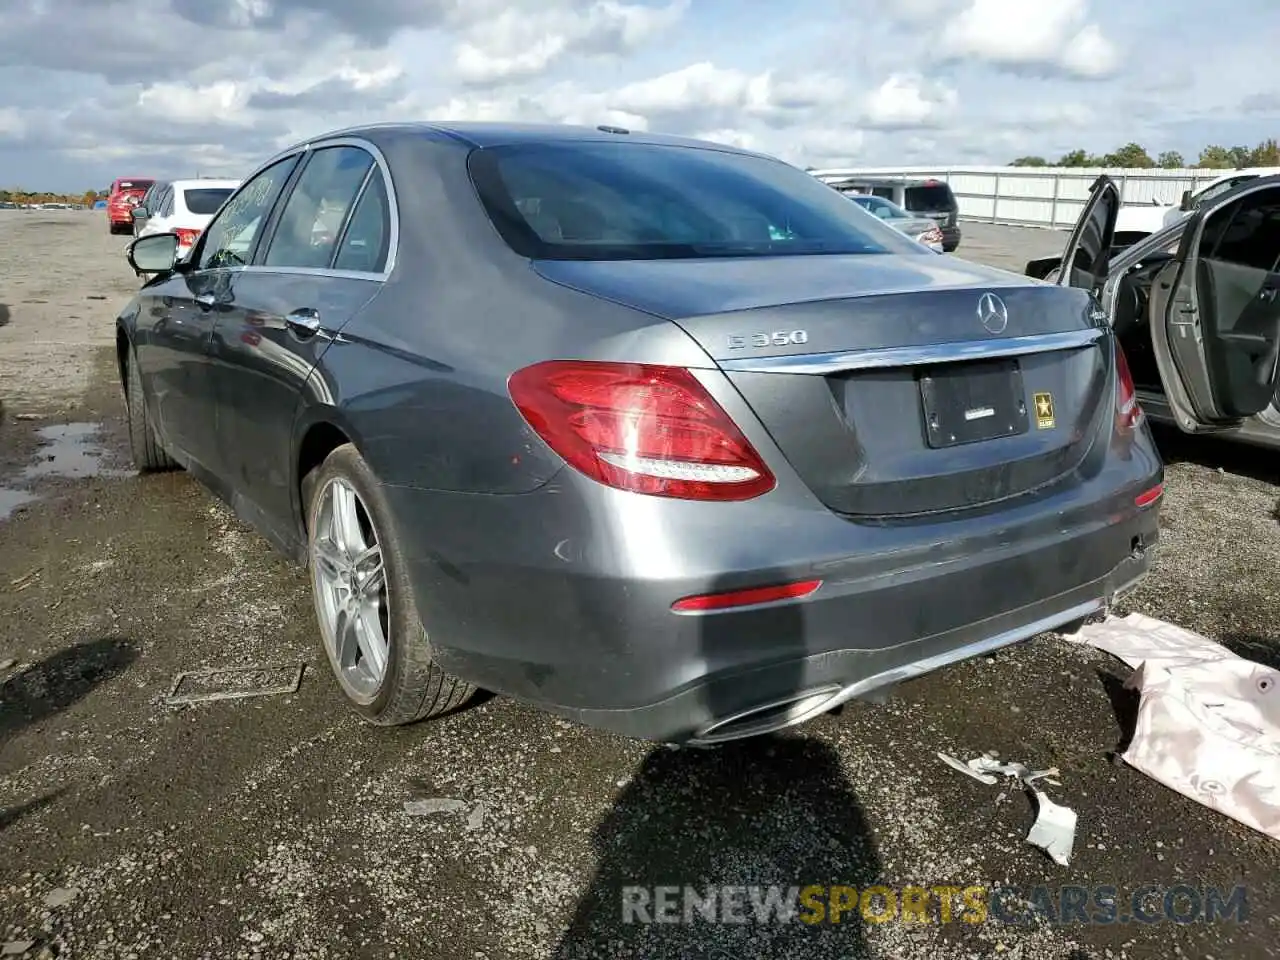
(93, 89)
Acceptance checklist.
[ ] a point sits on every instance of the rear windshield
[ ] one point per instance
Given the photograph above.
(930, 198)
(629, 201)
(142, 185)
(205, 200)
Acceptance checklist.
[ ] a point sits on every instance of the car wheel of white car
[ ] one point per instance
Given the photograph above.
(376, 645)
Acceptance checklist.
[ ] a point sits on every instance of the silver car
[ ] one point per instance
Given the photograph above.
(657, 434)
(1195, 306)
(923, 230)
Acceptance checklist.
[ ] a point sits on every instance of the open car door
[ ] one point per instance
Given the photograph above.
(1215, 310)
(1089, 248)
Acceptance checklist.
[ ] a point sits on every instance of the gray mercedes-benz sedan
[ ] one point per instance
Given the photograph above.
(657, 434)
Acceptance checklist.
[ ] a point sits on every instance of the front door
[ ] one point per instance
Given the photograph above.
(176, 333)
(1088, 253)
(1215, 311)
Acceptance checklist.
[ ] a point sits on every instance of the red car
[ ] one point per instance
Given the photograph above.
(125, 194)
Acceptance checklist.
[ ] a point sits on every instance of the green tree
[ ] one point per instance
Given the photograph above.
(1240, 156)
(1130, 155)
(1076, 158)
(1030, 162)
(1265, 154)
(1215, 157)
(1170, 160)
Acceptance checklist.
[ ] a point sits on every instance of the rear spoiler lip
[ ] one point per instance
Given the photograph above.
(824, 364)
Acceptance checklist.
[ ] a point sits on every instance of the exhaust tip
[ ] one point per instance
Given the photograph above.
(766, 717)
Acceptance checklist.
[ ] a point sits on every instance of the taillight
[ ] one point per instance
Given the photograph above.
(186, 236)
(1128, 411)
(640, 427)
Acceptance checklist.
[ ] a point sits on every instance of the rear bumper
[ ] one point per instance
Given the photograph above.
(562, 597)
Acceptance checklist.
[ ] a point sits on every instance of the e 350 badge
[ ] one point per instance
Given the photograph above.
(776, 338)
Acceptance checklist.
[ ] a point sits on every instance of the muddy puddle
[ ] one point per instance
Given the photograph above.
(67, 451)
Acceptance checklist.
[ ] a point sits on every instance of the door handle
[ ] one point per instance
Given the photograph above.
(304, 322)
(206, 300)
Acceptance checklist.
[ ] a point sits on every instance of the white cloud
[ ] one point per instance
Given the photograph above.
(1046, 34)
(518, 44)
(906, 101)
(817, 82)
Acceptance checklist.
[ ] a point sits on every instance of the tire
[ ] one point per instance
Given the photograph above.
(410, 686)
(148, 455)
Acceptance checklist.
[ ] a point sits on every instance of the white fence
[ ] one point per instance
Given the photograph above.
(1039, 196)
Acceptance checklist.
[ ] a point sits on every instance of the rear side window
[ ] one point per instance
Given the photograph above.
(930, 198)
(632, 201)
(317, 208)
(205, 201)
(368, 235)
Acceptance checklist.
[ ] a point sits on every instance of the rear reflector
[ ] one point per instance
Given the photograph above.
(640, 427)
(1148, 497)
(746, 598)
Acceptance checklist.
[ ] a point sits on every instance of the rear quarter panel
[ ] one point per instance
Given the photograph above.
(420, 377)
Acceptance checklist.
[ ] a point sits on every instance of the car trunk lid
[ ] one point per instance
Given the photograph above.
(894, 385)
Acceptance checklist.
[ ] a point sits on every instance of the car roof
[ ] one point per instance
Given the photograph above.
(479, 134)
(204, 182)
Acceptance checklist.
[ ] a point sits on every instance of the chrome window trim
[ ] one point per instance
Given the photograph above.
(393, 244)
(884, 357)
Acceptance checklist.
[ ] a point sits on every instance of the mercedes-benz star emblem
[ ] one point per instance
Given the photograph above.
(992, 313)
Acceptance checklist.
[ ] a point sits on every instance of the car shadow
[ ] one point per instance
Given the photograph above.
(1213, 453)
(1124, 703)
(771, 810)
(60, 680)
(11, 815)
(1263, 650)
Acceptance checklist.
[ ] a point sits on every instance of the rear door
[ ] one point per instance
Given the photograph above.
(327, 256)
(1088, 253)
(1215, 311)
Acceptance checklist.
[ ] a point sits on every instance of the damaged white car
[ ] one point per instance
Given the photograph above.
(1195, 306)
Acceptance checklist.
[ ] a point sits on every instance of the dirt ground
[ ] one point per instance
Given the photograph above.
(275, 826)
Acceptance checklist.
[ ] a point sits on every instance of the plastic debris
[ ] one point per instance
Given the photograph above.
(425, 808)
(60, 896)
(1054, 829)
(1208, 723)
(233, 683)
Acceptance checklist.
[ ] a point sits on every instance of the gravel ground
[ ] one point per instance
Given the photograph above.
(275, 827)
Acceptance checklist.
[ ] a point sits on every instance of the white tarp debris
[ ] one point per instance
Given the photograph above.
(1208, 721)
(1054, 829)
(432, 805)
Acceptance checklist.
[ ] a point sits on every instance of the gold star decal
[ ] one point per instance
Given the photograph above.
(1044, 411)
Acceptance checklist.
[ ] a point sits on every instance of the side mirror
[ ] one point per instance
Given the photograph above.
(138, 213)
(1185, 204)
(154, 254)
(1040, 269)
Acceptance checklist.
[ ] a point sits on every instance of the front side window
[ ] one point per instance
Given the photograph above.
(628, 201)
(229, 239)
(317, 208)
